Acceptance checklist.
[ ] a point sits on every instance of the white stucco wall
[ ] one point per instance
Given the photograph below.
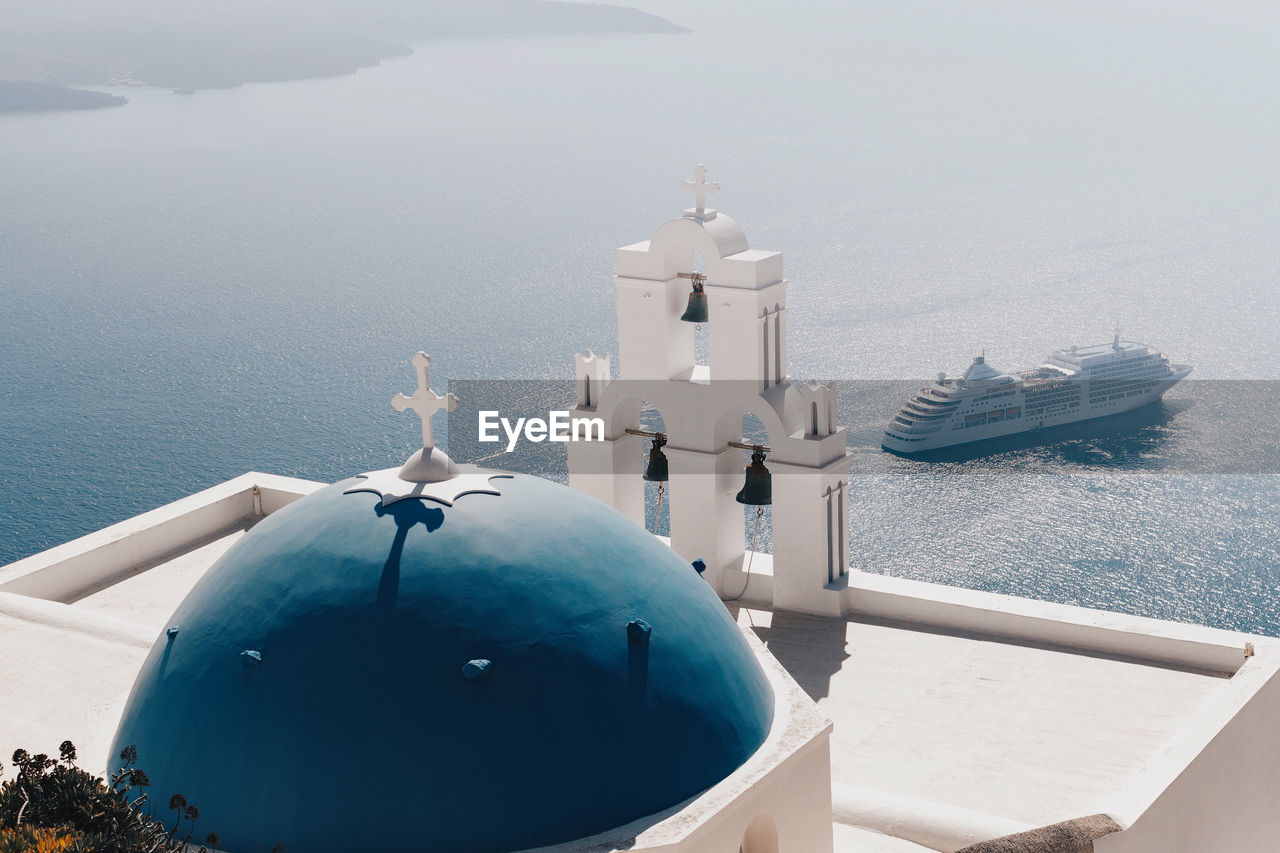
(1216, 788)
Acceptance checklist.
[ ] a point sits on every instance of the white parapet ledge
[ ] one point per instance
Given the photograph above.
(102, 627)
(1194, 647)
(863, 595)
(66, 571)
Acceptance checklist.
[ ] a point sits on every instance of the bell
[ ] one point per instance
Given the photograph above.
(757, 489)
(697, 310)
(656, 470)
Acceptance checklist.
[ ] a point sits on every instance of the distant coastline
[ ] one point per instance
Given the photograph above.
(29, 97)
(41, 61)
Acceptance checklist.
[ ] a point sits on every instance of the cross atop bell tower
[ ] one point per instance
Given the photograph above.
(700, 187)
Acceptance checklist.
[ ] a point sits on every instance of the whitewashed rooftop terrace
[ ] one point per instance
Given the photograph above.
(945, 734)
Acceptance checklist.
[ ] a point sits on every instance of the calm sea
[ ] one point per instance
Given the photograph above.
(196, 286)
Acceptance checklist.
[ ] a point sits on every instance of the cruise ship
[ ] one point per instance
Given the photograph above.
(1076, 384)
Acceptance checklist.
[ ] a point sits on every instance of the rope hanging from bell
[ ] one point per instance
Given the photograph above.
(751, 553)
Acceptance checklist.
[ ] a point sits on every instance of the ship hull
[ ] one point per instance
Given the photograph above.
(956, 434)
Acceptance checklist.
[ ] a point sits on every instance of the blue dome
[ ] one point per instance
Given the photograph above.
(366, 717)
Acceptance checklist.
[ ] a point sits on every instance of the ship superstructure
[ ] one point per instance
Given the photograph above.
(1076, 384)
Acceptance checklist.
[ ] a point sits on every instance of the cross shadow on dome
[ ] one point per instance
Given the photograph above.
(407, 514)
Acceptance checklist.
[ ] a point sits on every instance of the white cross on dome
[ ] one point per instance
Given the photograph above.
(429, 473)
(425, 401)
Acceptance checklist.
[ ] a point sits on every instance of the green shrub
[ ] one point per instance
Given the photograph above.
(52, 805)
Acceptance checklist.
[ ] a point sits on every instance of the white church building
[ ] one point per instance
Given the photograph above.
(497, 662)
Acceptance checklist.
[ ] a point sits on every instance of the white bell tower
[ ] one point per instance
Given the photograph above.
(746, 295)
(702, 406)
